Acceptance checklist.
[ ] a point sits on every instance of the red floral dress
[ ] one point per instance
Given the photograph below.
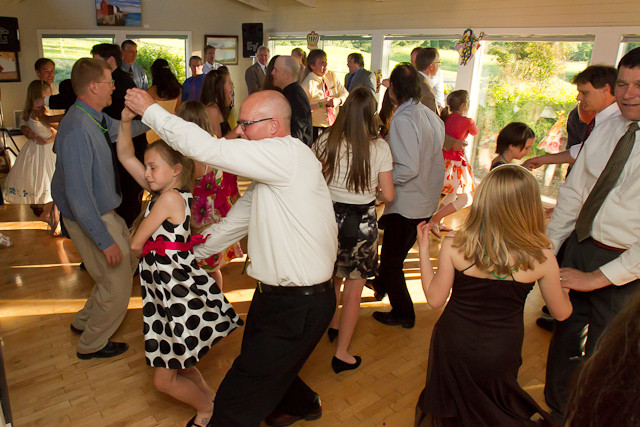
(458, 177)
(212, 200)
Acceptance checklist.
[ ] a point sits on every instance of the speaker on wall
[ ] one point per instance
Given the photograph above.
(9, 36)
(252, 39)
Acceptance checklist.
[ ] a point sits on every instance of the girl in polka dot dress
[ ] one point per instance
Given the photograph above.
(185, 313)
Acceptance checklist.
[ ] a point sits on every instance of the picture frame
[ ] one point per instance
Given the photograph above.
(9, 67)
(119, 13)
(226, 48)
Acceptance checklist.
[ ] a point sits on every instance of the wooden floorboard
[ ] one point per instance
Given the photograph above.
(41, 287)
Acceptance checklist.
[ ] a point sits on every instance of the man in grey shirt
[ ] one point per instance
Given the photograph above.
(85, 189)
(416, 136)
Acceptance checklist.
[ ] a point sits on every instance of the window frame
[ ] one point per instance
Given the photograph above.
(119, 35)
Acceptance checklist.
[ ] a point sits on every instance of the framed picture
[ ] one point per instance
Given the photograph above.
(226, 48)
(119, 13)
(9, 67)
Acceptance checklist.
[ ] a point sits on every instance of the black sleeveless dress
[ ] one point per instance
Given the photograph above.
(474, 358)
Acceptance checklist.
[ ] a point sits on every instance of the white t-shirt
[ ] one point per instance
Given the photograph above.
(381, 161)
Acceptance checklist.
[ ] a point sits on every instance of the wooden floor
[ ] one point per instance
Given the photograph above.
(41, 287)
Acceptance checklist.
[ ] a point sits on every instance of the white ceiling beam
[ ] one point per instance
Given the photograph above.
(258, 4)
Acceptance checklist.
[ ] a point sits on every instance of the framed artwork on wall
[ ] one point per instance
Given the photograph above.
(119, 13)
(9, 67)
(226, 48)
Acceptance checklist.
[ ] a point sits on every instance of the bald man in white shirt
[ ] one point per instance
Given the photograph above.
(288, 216)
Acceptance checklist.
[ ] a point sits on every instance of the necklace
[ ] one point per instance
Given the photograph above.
(102, 129)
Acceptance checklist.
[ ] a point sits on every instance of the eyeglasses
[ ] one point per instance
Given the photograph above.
(244, 124)
(111, 82)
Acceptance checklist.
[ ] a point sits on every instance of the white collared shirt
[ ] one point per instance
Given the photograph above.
(208, 67)
(287, 211)
(611, 111)
(617, 223)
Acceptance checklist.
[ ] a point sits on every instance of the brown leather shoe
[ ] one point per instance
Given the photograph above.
(281, 419)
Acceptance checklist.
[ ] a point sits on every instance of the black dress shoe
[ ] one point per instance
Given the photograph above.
(379, 296)
(546, 322)
(281, 419)
(112, 349)
(390, 319)
(75, 330)
(340, 365)
(332, 333)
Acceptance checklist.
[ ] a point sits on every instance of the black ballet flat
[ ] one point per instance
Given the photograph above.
(332, 333)
(339, 365)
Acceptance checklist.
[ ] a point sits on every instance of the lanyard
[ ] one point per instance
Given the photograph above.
(102, 129)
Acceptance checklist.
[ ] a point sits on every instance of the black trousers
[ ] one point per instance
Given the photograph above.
(399, 236)
(280, 334)
(131, 204)
(574, 339)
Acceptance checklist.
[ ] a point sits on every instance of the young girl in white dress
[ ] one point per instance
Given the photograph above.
(29, 180)
(185, 313)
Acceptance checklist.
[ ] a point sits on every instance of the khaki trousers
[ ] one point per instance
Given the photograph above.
(106, 307)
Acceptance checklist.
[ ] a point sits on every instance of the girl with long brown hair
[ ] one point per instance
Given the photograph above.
(489, 267)
(357, 166)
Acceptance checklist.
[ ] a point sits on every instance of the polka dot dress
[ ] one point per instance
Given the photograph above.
(185, 313)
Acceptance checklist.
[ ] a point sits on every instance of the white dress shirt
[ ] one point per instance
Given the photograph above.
(617, 223)
(437, 84)
(208, 67)
(416, 136)
(611, 111)
(287, 210)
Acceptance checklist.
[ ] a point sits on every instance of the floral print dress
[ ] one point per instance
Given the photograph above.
(212, 200)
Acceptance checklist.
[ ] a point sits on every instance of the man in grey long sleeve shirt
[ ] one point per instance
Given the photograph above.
(416, 136)
(85, 190)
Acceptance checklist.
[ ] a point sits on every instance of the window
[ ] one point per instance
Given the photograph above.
(337, 49)
(629, 43)
(527, 81)
(173, 49)
(402, 45)
(66, 49)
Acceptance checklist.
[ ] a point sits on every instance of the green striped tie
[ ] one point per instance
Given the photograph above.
(605, 182)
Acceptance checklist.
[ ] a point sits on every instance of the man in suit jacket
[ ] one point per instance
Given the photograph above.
(255, 75)
(285, 76)
(427, 63)
(358, 76)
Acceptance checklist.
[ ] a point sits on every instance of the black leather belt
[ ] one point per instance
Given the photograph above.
(294, 290)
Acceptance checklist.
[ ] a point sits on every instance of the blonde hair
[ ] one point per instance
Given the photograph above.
(504, 230)
(34, 91)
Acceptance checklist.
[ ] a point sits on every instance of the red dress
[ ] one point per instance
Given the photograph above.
(458, 177)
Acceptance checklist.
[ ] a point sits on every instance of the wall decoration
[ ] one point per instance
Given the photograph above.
(119, 13)
(468, 45)
(9, 67)
(312, 40)
(226, 48)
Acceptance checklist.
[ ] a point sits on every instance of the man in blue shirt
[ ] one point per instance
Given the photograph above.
(193, 85)
(85, 189)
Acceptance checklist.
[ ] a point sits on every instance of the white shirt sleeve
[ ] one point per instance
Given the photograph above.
(229, 230)
(267, 160)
